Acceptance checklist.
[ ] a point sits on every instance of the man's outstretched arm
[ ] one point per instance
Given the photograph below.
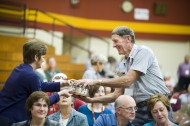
(103, 99)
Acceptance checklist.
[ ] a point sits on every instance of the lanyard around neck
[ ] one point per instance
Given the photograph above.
(93, 115)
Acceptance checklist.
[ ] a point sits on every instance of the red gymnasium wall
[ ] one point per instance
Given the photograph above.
(177, 14)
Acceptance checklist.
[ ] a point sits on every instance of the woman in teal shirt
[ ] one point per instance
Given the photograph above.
(158, 108)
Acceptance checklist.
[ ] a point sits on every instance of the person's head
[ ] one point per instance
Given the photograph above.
(111, 59)
(109, 90)
(167, 80)
(169, 86)
(98, 61)
(96, 91)
(123, 39)
(167, 76)
(34, 50)
(158, 108)
(186, 59)
(37, 105)
(125, 107)
(51, 63)
(65, 102)
(59, 77)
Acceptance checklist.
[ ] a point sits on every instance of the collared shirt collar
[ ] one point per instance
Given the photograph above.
(133, 52)
(131, 55)
(129, 123)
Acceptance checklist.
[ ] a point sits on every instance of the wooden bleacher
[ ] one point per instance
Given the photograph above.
(11, 56)
(13, 44)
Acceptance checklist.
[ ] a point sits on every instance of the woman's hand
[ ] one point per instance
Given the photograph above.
(84, 82)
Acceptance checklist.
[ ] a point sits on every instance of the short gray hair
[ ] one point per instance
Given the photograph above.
(98, 58)
(124, 30)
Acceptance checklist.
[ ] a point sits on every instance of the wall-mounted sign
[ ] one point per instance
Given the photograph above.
(141, 14)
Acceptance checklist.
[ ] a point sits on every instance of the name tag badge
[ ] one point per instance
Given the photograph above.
(173, 101)
(128, 91)
(187, 72)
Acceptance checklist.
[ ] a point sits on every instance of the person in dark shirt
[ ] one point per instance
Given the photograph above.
(183, 73)
(23, 81)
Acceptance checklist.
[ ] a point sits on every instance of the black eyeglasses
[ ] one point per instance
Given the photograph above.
(130, 109)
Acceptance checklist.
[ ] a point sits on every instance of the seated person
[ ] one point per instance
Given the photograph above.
(56, 78)
(93, 110)
(185, 97)
(52, 68)
(97, 65)
(158, 108)
(111, 67)
(173, 97)
(125, 109)
(67, 116)
(77, 103)
(37, 107)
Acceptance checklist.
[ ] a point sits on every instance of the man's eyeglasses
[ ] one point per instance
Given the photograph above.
(130, 109)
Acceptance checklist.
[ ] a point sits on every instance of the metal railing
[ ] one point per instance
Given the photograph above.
(36, 25)
(15, 15)
(12, 14)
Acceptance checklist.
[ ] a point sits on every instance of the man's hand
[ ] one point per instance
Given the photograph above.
(83, 98)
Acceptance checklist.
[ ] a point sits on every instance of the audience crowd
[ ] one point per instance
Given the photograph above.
(42, 95)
